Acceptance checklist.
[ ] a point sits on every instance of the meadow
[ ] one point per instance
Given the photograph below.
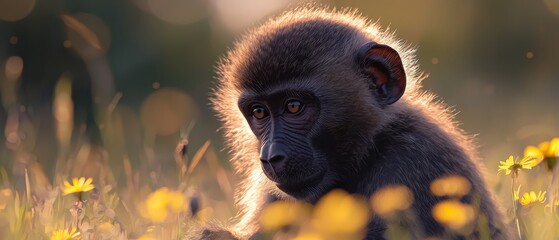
(106, 132)
(87, 200)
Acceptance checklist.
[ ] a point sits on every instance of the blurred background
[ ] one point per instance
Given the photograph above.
(129, 79)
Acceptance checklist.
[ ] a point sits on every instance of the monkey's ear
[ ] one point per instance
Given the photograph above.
(383, 66)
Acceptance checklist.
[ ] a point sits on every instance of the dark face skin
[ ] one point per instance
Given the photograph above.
(281, 120)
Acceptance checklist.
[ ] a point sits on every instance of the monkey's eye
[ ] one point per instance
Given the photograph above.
(294, 106)
(259, 112)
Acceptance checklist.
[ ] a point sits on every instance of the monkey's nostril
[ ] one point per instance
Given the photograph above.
(278, 163)
(275, 164)
(277, 158)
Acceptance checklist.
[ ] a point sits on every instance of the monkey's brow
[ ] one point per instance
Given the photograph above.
(275, 94)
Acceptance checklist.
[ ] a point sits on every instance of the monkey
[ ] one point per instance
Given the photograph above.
(318, 99)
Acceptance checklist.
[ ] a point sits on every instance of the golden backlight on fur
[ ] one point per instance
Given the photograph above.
(346, 95)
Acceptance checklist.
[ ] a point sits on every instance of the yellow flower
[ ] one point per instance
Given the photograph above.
(535, 153)
(280, 214)
(308, 236)
(453, 214)
(551, 148)
(176, 201)
(78, 185)
(340, 214)
(506, 165)
(511, 165)
(158, 204)
(64, 234)
(146, 237)
(389, 199)
(450, 186)
(547, 152)
(532, 197)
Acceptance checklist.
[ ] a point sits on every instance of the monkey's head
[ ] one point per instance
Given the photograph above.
(302, 96)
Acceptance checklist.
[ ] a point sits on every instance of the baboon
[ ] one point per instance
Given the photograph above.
(319, 99)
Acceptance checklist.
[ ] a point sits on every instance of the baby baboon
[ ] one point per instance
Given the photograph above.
(314, 100)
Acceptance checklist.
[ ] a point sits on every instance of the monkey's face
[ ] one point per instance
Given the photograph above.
(282, 120)
(314, 129)
(312, 94)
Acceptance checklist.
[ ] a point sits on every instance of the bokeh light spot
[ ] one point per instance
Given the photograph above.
(237, 15)
(280, 214)
(63, 109)
(13, 68)
(13, 40)
(12, 138)
(450, 186)
(552, 6)
(87, 34)
(178, 11)
(340, 213)
(453, 214)
(529, 55)
(435, 61)
(67, 44)
(156, 85)
(11, 10)
(390, 199)
(161, 203)
(166, 110)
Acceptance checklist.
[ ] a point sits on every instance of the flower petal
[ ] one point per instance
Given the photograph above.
(81, 182)
(510, 160)
(75, 181)
(88, 181)
(87, 188)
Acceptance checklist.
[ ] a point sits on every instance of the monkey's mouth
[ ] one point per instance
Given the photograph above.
(300, 187)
